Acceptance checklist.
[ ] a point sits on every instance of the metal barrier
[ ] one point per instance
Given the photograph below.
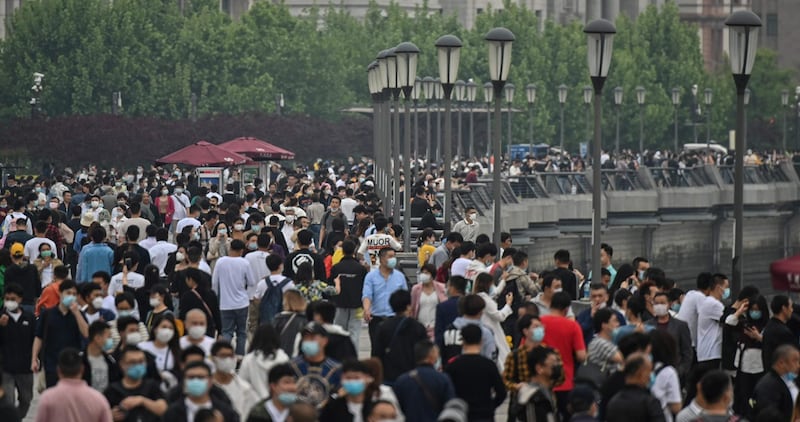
(689, 177)
(763, 174)
(621, 180)
(558, 183)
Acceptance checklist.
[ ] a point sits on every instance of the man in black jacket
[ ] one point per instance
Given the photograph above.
(678, 329)
(776, 333)
(303, 254)
(634, 402)
(774, 389)
(339, 346)
(16, 340)
(397, 337)
(348, 278)
(196, 384)
(355, 378)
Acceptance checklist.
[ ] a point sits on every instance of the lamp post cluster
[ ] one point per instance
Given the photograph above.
(36, 93)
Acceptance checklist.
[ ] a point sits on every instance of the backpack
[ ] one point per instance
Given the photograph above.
(272, 301)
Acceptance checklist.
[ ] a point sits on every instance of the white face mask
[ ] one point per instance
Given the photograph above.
(424, 277)
(179, 257)
(558, 290)
(660, 309)
(197, 332)
(225, 365)
(238, 227)
(164, 335)
(473, 216)
(97, 302)
(11, 305)
(133, 338)
(154, 302)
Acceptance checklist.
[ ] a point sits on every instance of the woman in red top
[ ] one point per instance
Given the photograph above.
(165, 206)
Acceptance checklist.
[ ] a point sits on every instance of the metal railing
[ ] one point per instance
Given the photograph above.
(762, 174)
(558, 183)
(690, 177)
(621, 180)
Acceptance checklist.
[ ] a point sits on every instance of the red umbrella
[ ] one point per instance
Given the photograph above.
(257, 149)
(786, 274)
(203, 154)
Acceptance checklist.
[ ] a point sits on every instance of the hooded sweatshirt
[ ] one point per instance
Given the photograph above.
(255, 369)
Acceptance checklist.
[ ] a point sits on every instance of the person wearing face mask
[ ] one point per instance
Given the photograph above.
(426, 294)
(351, 403)
(58, 328)
(322, 375)
(379, 284)
(163, 344)
(635, 402)
(135, 398)
(45, 263)
(33, 247)
(19, 325)
(100, 369)
(777, 388)
(601, 351)
(282, 394)
(551, 285)
(709, 332)
(468, 227)
(242, 395)
(326, 222)
(535, 398)
(396, 337)
(165, 206)
(196, 328)
(678, 329)
(92, 296)
(196, 386)
(218, 245)
(128, 331)
(182, 205)
(598, 295)
(381, 239)
(94, 207)
(423, 391)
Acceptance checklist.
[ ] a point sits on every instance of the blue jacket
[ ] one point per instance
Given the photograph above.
(94, 257)
(446, 313)
(585, 320)
(416, 404)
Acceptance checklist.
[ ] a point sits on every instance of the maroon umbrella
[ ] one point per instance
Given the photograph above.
(257, 149)
(786, 274)
(203, 154)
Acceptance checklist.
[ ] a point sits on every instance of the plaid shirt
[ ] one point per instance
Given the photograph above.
(516, 369)
(54, 234)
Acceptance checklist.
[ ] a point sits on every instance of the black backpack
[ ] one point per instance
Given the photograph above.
(272, 301)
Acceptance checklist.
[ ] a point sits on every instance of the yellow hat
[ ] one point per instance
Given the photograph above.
(17, 249)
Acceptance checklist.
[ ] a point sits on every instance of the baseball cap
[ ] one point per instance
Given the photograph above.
(314, 328)
(17, 249)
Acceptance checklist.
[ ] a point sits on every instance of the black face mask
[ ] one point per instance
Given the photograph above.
(556, 373)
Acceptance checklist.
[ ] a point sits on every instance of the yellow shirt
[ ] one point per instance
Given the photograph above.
(337, 256)
(425, 251)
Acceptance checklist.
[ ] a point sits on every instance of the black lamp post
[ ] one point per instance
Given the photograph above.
(500, 41)
(472, 92)
(676, 102)
(429, 90)
(36, 94)
(407, 56)
(784, 104)
(640, 97)
(461, 96)
(509, 90)
(708, 98)
(618, 91)
(562, 98)
(415, 94)
(530, 92)
(601, 42)
(488, 96)
(394, 87)
(743, 29)
(438, 93)
(746, 103)
(449, 49)
(587, 100)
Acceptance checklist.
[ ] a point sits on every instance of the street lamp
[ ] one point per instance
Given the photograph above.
(488, 96)
(676, 101)
(708, 97)
(640, 96)
(587, 99)
(374, 91)
(36, 92)
(439, 95)
(407, 56)
(695, 111)
(449, 47)
(746, 103)
(785, 104)
(385, 141)
(743, 28)
(562, 98)
(461, 96)
(530, 92)
(415, 94)
(429, 91)
(393, 68)
(500, 41)
(618, 91)
(472, 92)
(509, 90)
(600, 34)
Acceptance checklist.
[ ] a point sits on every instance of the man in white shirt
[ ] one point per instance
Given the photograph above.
(691, 304)
(231, 279)
(348, 204)
(196, 328)
(127, 277)
(182, 203)
(190, 220)
(258, 263)
(161, 250)
(136, 220)
(242, 395)
(373, 243)
(32, 246)
(468, 227)
(709, 332)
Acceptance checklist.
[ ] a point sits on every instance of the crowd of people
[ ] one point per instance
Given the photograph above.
(143, 296)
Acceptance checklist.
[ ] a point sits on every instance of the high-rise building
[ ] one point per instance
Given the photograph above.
(7, 8)
(780, 31)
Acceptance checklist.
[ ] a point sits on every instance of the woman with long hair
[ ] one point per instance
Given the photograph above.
(426, 294)
(493, 316)
(164, 344)
(45, 262)
(311, 289)
(667, 385)
(425, 246)
(219, 244)
(264, 353)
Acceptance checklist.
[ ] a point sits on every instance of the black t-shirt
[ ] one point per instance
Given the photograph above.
(116, 392)
(475, 378)
(568, 282)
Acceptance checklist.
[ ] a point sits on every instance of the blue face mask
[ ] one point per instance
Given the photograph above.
(538, 334)
(354, 387)
(108, 345)
(287, 399)
(615, 334)
(392, 262)
(137, 371)
(727, 293)
(68, 300)
(790, 376)
(755, 314)
(255, 227)
(196, 387)
(492, 290)
(309, 348)
(124, 313)
(676, 307)
(652, 380)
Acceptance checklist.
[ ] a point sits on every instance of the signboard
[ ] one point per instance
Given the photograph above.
(249, 175)
(207, 176)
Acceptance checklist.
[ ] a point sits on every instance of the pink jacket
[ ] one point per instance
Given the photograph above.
(416, 292)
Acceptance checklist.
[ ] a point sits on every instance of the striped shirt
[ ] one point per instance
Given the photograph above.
(601, 351)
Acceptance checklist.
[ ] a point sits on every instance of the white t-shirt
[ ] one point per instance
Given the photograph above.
(184, 222)
(205, 344)
(709, 329)
(135, 281)
(32, 247)
(688, 311)
(459, 267)
(667, 389)
(261, 288)
(372, 245)
(164, 359)
(258, 262)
